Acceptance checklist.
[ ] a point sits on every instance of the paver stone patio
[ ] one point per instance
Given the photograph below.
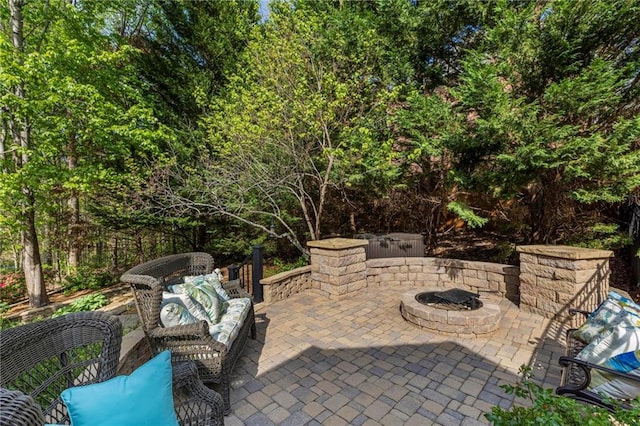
(356, 361)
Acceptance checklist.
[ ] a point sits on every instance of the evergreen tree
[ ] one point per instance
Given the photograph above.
(545, 112)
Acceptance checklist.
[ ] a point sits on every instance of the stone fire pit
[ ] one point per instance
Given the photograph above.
(461, 323)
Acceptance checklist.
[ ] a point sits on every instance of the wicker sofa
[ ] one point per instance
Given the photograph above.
(192, 342)
(42, 359)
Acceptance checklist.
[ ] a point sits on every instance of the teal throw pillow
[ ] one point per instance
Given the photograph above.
(145, 397)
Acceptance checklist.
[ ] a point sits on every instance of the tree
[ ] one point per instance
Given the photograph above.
(72, 106)
(426, 40)
(292, 125)
(16, 158)
(189, 49)
(545, 112)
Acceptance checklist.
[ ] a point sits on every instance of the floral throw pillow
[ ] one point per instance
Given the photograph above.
(204, 293)
(616, 347)
(607, 313)
(214, 280)
(180, 309)
(616, 386)
(620, 337)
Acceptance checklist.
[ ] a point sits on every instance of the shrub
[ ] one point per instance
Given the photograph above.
(89, 302)
(86, 279)
(8, 323)
(550, 409)
(602, 236)
(281, 266)
(12, 287)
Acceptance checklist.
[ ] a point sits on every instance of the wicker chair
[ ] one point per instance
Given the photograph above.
(41, 359)
(187, 342)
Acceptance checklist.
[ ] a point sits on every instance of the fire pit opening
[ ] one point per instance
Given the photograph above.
(453, 299)
(454, 312)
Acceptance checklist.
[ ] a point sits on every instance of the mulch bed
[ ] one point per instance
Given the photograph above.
(491, 248)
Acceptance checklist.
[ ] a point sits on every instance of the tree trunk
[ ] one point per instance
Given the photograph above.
(73, 233)
(139, 248)
(115, 259)
(31, 263)
(16, 257)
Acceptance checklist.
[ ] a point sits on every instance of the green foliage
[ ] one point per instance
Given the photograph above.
(79, 123)
(83, 101)
(466, 214)
(8, 323)
(87, 278)
(505, 253)
(302, 118)
(89, 302)
(538, 114)
(605, 236)
(546, 408)
(282, 266)
(524, 110)
(12, 287)
(191, 47)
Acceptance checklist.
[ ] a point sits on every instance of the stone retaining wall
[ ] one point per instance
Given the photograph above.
(437, 272)
(285, 284)
(411, 271)
(549, 281)
(338, 266)
(556, 278)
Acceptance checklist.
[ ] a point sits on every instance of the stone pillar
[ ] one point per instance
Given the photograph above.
(338, 266)
(554, 279)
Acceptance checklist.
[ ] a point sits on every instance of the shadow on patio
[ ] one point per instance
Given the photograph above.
(356, 361)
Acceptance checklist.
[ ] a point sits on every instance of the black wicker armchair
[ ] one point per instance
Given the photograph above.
(41, 359)
(191, 342)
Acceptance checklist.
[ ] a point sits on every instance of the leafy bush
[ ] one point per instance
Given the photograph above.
(603, 236)
(282, 266)
(89, 302)
(86, 279)
(548, 408)
(12, 287)
(7, 323)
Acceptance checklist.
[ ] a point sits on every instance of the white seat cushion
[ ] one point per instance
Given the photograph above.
(231, 321)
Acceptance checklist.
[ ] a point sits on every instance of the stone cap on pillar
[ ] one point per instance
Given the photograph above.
(565, 252)
(337, 243)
